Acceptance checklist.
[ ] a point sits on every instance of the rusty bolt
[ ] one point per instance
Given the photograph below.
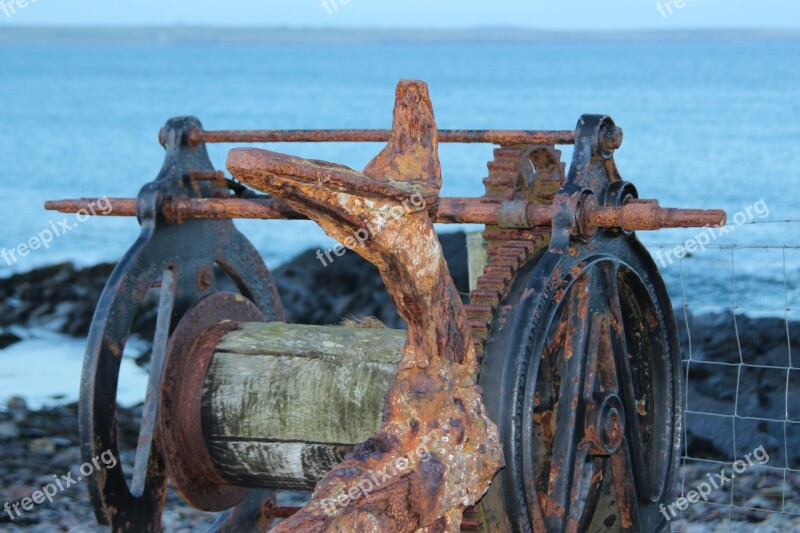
(204, 279)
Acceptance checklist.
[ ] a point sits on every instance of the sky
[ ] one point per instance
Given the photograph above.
(536, 14)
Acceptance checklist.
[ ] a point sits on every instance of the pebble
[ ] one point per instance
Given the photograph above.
(17, 492)
(30, 460)
(8, 430)
(42, 446)
(61, 442)
(66, 458)
(775, 492)
(696, 528)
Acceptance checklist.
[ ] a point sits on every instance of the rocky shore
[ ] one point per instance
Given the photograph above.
(35, 445)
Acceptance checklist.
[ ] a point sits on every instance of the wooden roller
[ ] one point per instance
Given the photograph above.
(283, 403)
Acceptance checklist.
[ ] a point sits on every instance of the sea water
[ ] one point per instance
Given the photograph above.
(707, 124)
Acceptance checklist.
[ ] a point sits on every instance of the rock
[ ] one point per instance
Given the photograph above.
(8, 430)
(16, 403)
(7, 339)
(42, 446)
(65, 459)
(696, 528)
(718, 385)
(775, 492)
(34, 433)
(59, 297)
(17, 491)
(61, 442)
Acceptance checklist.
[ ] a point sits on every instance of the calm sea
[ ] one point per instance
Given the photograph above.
(707, 124)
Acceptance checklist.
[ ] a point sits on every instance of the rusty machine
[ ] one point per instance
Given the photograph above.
(550, 401)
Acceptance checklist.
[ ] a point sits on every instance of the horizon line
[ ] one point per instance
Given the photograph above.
(489, 27)
(259, 34)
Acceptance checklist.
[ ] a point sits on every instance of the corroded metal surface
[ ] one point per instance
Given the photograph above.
(181, 260)
(434, 401)
(180, 422)
(530, 174)
(503, 137)
(570, 326)
(637, 216)
(584, 351)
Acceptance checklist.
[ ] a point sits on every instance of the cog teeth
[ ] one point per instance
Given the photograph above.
(525, 247)
(520, 252)
(507, 260)
(507, 165)
(485, 297)
(476, 312)
(492, 283)
(480, 331)
(499, 271)
(533, 173)
(509, 249)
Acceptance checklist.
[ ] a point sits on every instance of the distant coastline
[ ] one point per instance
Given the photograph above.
(176, 35)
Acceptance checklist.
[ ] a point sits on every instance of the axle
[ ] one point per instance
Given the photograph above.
(636, 215)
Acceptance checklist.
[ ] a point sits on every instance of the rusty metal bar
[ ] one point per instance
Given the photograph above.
(120, 207)
(448, 211)
(640, 215)
(179, 209)
(501, 137)
(644, 215)
(656, 218)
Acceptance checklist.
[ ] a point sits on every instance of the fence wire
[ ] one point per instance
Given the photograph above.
(742, 388)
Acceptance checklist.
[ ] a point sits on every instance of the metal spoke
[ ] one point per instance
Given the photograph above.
(147, 427)
(648, 480)
(624, 486)
(590, 372)
(564, 445)
(576, 490)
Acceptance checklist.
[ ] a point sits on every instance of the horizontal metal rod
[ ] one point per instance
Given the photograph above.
(501, 137)
(449, 210)
(114, 207)
(635, 216)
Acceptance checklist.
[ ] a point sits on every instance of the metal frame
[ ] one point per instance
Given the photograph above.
(186, 215)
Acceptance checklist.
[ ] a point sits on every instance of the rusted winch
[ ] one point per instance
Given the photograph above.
(559, 379)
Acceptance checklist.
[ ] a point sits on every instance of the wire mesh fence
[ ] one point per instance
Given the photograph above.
(738, 309)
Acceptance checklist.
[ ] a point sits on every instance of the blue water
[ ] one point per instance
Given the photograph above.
(707, 124)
